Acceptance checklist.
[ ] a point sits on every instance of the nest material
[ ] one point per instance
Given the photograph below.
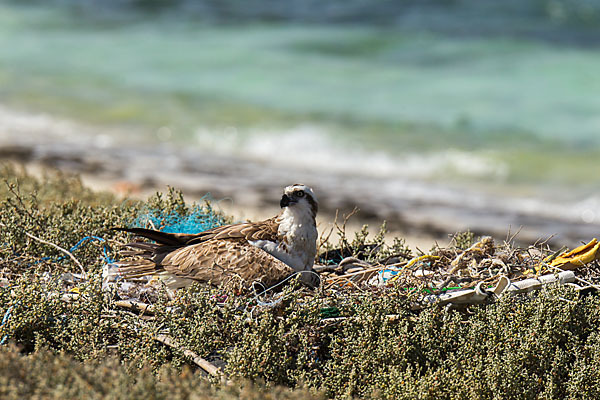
(483, 263)
(447, 275)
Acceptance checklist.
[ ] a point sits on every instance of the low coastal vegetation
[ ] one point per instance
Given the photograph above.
(59, 343)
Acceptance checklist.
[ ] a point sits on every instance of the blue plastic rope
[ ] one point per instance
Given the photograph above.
(198, 219)
(83, 241)
(86, 239)
(6, 317)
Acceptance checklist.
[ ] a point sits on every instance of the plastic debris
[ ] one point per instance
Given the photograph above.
(578, 257)
(145, 288)
(480, 294)
(198, 219)
(474, 275)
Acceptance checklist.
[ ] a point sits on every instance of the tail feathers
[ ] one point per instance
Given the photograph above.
(139, 249)
(140, 259)
(143, 258)
(170, 239)
(137, 268)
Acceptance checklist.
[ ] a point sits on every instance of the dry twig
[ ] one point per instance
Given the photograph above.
(207, 366)
(76, 261)
(138, 306)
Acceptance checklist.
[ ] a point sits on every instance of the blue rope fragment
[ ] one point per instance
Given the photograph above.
(6, 317)
(86, 239)
(79, 244)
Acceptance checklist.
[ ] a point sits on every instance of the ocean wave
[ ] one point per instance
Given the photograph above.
(312, 147)
(22, 127)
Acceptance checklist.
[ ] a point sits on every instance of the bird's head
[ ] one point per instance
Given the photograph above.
(300, 197)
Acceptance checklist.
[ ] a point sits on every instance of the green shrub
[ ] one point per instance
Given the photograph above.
(542, 345)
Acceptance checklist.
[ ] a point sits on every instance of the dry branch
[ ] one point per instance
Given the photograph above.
(207, 366)
(138, 306)
(76, 261)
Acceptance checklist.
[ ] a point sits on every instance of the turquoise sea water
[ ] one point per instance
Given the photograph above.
(496, 112)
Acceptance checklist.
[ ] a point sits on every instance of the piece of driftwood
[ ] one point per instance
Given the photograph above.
(390, 317)
(134, 305)
(206, 366)
(527, 285)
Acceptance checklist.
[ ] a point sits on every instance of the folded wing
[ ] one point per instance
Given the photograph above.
(224, 261)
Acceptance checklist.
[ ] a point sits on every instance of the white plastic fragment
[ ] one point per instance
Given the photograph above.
(134, 289)
(504, 286)
(528, 285)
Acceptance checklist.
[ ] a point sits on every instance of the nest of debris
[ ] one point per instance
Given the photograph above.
(469, 270)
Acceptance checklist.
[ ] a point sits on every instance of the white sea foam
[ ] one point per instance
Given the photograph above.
(310, 147)
(17, 124)
(403, 176)
(21, 127)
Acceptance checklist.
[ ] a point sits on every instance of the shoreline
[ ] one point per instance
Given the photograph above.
(252, 212)
(262, 204)
(412, 209)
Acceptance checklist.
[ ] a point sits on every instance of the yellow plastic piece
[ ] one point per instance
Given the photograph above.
(578, 257)
(421, 258)
(413, 262)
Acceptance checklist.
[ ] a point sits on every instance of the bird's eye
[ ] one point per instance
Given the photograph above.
(300, 193)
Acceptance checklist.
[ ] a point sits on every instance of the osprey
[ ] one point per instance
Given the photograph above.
(267, 251)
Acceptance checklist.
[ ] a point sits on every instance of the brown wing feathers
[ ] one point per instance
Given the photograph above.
(264, 230)
(220, 261)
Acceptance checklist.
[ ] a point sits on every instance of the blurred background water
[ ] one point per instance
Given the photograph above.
(439, 114)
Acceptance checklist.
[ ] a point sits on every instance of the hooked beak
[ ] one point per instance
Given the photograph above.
(286, 201)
